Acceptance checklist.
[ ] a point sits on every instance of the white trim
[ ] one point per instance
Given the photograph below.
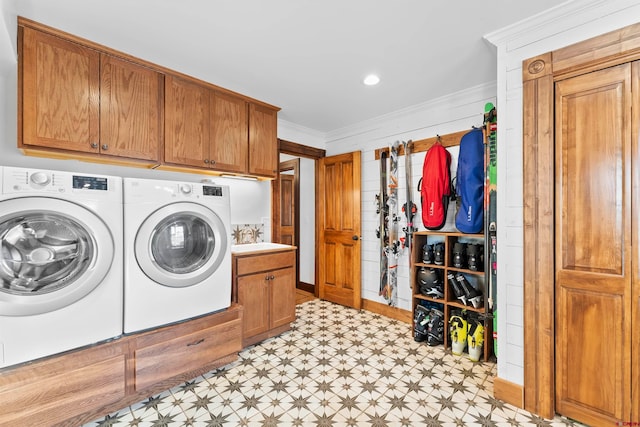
(444, 102)
(539, 22)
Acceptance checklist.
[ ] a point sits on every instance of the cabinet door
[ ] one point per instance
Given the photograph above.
(46, 392)
(130, 109)
(263, 140)
(283, 296)
(593, 249)
(229, 137)
(186, 123)
(60, 93)
(253, 295)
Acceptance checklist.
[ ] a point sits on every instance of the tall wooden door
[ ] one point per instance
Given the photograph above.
(287, 209)
(338, 222)
(593, 245)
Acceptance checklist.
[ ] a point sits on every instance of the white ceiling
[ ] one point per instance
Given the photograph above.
(307, 57)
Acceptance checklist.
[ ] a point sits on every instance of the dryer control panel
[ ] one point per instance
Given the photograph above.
(208, 190)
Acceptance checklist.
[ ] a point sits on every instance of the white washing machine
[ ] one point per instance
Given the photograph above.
(61, 266)
(177, 251)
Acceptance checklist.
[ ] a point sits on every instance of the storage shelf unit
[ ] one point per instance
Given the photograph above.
(449, 303)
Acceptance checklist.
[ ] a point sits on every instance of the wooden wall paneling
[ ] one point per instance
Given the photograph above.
(635, 239)
(613, 48)
(538, 216)
(448, 140)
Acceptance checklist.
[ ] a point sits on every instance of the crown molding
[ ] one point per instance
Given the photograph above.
(445, 102)
(572, 13)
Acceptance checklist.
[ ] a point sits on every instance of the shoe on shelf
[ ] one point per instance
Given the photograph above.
(471, 295)
(427, 254)
(475, 339)
(458, 291)
(475, 257)
(459, 255)
(438, 254)
(458, 331)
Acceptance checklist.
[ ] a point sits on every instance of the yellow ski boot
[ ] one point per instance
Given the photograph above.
(475, 339)
(458, 330)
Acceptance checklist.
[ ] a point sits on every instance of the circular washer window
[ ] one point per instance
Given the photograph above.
(49, 257)
(181, 244)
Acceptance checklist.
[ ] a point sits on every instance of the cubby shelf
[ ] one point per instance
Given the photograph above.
(449, 302)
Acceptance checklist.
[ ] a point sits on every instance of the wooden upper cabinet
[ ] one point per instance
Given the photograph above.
(229, 129)
(60, 93)
(263, 140)
(204, 128)
(76, 98)
(131, 109)
(186, 123)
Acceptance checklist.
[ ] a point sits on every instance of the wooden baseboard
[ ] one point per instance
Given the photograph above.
(385, 310)
(508, 392)
(307, 287)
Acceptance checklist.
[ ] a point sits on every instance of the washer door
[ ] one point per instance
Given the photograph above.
(52, 254)
(181, 244)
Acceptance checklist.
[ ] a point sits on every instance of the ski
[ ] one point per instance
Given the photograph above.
(491, 128)
(390, 292)
(382, 232)
(409, 208)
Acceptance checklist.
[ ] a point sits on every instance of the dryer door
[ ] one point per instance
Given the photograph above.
(52, 253)
(181, 244)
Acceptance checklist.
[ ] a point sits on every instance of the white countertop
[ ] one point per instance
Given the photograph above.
(258, 247)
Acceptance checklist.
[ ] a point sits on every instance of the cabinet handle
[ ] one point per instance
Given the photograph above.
(206, 160)
(272, 277)
(213, 162)
(105, 147)
(200, 341)
(94, 145)
(267, 278)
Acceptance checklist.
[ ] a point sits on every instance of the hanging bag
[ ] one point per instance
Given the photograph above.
(470, 183)
(435, 186)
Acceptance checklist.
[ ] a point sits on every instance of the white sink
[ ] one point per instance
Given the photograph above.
(257, 247)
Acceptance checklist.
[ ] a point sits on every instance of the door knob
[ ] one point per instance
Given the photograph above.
(355, 238)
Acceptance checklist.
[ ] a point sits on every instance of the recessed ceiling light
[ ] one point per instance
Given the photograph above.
(371, 80)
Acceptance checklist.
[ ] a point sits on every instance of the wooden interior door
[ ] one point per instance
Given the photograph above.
(593, 246)
(339, 229)
(287, 209)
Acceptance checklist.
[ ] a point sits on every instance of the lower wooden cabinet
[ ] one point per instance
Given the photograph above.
(79, 386)
(63, 387)
(168, 352)
(266, 288)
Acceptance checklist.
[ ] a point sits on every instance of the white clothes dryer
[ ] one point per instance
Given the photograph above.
(177, 251)
(61, 263)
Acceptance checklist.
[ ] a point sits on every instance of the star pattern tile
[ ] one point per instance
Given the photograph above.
(336, 367)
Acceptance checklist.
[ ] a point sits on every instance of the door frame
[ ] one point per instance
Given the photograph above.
(298, 150)
(539, 75)
(293, 165)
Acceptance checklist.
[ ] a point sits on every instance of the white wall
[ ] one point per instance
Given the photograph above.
(250, 200)
(566, 24)
(453, 113)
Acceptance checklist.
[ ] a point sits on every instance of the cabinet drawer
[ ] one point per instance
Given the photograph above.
(45, 393)
(271, 261)
(172, 357)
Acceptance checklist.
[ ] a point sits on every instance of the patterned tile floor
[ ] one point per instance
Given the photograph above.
(337, 367)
